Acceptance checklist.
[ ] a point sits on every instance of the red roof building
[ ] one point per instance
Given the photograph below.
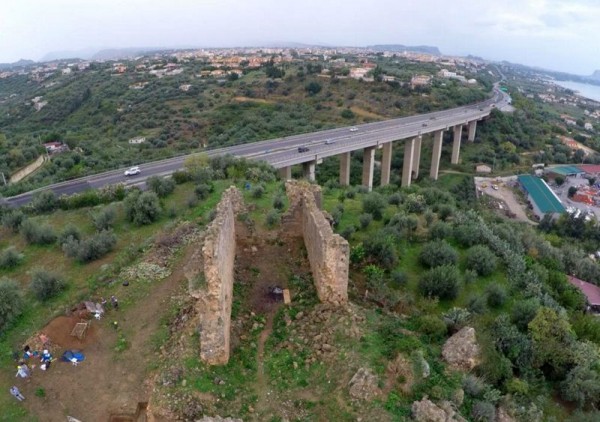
(589, 168)
(591, 292)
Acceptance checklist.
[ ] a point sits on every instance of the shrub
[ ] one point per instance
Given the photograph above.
(445, 211)
(44, 201)
(104, 219)
(473, 385)
(375, 276)
(429, 217)
(442, 281)
(10, 258)
(365, 220)
(398, 278)
(278, 203)
(258, 192)
(87, 198)
(357, 254)
(348, 232)
(350, 193)
(11, 302)
(523, 312)
(476, 304)
(202, 191)
(437, 253)
(468, 234)
(414, 203)
(13, 220)
(181, 176)
(142, 208)
(70, 232)
(191, 202)
(37, 234)
(273, 218)
(481, 259)
(395, 199)
(440, 230)
(496, 295)
(432, 326)
(456, 318)
(586, 326)
(92, 248)
(161, 185)
(469, 277)
(45, 285)
(347, 113)
(381, 250)
(582, 386)
(336, 216)
(483, 412)
(374, 204)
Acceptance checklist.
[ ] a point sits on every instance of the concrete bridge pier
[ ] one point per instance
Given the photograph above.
(368, 166)
(407, 165)
(456, 144)
(309, 170)
(417, 156)
(285, 172)
(472, 130)
(386, 163)
(437, 154)
(345, 169)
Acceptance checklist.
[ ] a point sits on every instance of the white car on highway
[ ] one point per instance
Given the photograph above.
(133, 171)
(353, 129)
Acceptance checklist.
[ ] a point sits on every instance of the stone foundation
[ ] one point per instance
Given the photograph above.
(328, 253)
(214, 290)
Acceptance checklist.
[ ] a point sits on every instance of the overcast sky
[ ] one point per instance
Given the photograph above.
(555, 34)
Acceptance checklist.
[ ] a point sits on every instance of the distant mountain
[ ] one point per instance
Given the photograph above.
(98, 54)
(123, 53)
(596, 75)
(20, 63)
(84, 54)
(415, 49)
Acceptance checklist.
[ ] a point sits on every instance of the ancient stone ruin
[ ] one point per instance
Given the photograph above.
(328, 253)
(214, 287)
(210, 271)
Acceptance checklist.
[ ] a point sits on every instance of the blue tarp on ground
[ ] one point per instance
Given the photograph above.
(69, 355)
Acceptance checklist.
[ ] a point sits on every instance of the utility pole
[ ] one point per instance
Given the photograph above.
(3, 178)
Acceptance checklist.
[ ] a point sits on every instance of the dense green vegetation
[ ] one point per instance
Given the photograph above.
(96, 111)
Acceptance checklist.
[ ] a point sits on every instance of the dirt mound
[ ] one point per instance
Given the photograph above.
(59, 331)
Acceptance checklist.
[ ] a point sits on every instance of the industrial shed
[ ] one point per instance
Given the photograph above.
(541, 197)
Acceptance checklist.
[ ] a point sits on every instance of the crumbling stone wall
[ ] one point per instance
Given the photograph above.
(214, 290)
(328, 253)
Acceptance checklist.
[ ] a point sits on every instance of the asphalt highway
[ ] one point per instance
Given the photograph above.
(282, 152)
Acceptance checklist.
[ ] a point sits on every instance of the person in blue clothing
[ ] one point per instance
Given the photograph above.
(46, 359)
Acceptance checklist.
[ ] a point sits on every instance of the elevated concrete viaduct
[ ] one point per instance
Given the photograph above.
(309, 149)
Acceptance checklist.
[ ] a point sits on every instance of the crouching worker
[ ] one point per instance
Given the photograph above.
(46, 360)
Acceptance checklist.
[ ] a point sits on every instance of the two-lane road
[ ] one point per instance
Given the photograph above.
(282, 152)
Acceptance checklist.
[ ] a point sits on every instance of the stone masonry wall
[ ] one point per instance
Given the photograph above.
(215, 293)
(328, 253)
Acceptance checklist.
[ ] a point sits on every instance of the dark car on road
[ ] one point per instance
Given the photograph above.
(303, 149)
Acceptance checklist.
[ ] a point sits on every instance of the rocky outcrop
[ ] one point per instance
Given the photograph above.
(215, 291)
(502, 415)
(364, 385)
(461, 351)
(328, 253)
(427, 411)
